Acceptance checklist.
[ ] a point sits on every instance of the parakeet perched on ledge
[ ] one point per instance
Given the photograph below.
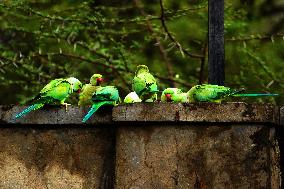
(132, 98)
(108, 95)
(144, 84)
(86, 94)
(216, 93)
(174, 95)
(55, 92)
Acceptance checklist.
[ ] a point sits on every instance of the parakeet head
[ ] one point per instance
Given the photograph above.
(169, 93)
(96, 79)
(75, 83)
(141, 69)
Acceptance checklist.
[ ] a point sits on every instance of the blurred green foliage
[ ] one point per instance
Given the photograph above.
(45, 39)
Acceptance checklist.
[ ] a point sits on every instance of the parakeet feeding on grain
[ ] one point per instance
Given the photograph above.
(144, 84)
(55, 92)
(85, 97)
(132, 98)
(108, 95)
(174, 95)
(216, 93)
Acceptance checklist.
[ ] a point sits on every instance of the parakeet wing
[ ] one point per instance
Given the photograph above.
(106, 94)
(60, 92)
(51, 85)
(144, 82)
(211, 92)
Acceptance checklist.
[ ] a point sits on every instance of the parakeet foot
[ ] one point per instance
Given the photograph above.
(65, 104)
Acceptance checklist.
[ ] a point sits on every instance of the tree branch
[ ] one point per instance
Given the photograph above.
(255, 36)
(161, 47)
(202, 63)
(182, 50)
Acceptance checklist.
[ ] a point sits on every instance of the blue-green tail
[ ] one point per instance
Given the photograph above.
(255, 95)
(94, 108)
(28, 110)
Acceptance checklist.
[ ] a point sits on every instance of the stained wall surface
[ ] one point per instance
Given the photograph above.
(156, 145)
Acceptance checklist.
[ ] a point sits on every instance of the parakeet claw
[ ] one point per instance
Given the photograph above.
(65, 104)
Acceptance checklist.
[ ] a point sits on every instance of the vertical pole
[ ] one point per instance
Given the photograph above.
(216, 55)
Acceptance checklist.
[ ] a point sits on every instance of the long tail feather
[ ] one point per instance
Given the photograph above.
(94, 108)
(28, 110)
(236, 92)
(254, 95)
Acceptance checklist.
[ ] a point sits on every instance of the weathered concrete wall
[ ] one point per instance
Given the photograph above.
(160, 145)
(158, 112)
(56, 158)
(235, 156)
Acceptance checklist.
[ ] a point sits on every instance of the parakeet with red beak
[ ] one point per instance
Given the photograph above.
(144, 84)
(174, 95)
(54, 93)
(85, 97)
(216, 93)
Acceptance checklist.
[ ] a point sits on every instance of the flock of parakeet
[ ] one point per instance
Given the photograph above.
(144, 87)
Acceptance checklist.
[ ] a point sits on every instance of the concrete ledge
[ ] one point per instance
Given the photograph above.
(197, 112)
(229, 145)
(55, 115)
(157, 112)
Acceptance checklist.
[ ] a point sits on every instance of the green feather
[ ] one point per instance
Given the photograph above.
(254, 95)
(176, 95)
(144, 84)
(28, 110)
(108, 95)
(94, 108)
(216, 93)
(55, 92)
(85, 97)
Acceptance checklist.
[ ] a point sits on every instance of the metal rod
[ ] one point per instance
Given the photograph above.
(216, 51)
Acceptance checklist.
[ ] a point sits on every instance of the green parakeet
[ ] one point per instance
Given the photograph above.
(132, 98)
(85, 97)
(144, 84)
(108, 95)
(174, 95)
(55, 92)
(216, 93)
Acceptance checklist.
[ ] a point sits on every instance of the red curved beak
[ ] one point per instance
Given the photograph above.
(169, 97)
(79, 90)
(100, 80)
